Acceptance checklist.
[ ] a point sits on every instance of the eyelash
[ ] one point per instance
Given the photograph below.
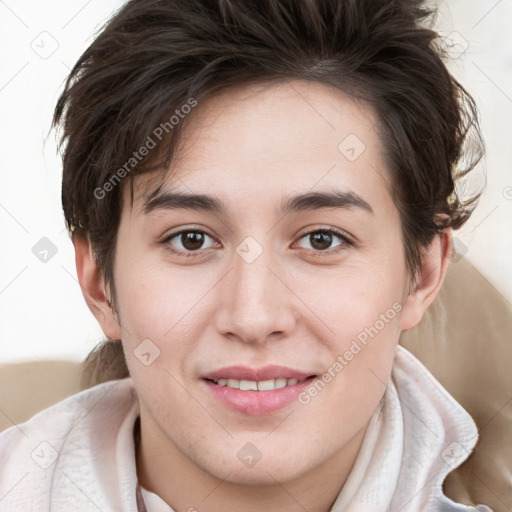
(191, 254)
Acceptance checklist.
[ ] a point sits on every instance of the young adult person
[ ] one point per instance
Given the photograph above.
(261, 197)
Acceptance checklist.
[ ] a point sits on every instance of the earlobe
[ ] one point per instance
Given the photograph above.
(435, 263)
(93, 287)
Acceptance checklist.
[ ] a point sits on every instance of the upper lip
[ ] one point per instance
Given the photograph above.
(256, 374)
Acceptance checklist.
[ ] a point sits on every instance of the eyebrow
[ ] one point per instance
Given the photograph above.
(173, 200)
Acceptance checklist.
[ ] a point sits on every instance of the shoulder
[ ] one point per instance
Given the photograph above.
(60, 439)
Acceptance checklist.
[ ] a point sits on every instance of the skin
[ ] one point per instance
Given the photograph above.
(296, 305)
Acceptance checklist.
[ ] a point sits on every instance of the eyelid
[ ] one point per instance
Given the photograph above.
(330, 229)
(187, 229)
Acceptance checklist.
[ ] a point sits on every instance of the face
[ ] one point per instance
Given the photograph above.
(269, 287)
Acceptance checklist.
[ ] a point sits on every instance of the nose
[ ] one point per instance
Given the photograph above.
(256, 303)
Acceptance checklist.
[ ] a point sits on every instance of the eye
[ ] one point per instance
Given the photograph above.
(187, 241)
(190, 242)
(321, 240)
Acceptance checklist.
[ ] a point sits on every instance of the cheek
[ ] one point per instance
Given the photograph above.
(353, 383)
(362, 313)
(356, 298)
(162, 315)
(153, 300)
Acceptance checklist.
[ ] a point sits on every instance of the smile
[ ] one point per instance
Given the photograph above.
(262, 385)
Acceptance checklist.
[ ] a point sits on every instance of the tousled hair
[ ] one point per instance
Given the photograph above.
(154, 56)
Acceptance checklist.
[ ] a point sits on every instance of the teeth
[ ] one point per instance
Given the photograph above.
(266, 385)
(248, 385)
(262, 385)
(233, 383)
(280, 383)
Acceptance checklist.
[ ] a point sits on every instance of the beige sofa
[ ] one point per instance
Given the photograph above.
(465, 340)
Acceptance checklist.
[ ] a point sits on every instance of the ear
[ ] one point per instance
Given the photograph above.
(433, 269)
(93, 287)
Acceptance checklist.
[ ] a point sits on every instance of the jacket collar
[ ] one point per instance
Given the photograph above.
(417, 435)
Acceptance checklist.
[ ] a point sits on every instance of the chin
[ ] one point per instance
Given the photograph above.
(261, 472)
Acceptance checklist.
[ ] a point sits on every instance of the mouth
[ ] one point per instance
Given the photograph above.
(261, 385)
(257, 391)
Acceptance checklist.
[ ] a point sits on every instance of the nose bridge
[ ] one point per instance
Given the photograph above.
(254, 304)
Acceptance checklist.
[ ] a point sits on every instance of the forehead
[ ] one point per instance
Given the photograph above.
(279, 138)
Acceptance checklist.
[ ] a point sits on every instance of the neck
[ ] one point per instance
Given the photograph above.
(165, 470)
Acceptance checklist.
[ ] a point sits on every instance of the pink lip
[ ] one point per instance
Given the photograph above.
(256, 402)
(256, 374)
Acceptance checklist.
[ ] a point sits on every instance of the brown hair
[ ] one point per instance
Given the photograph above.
(154, 56)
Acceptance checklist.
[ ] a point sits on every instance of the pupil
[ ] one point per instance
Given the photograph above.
(192, 240)
(324, 239)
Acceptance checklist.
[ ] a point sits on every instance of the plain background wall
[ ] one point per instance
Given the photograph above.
(42, 310)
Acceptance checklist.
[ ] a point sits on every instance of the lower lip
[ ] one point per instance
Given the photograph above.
(257, 402)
